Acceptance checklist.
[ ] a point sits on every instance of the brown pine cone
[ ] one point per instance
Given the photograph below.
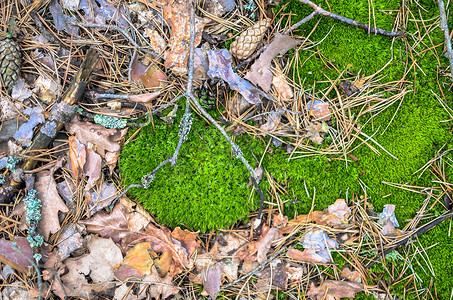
(247, 42)
(10, 60)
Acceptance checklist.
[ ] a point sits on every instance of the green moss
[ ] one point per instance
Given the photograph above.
(207, 187)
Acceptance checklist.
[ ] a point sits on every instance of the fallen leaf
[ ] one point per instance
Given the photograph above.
(332, 289)
(200, 64)
(316, 131)
(309, 255)
(319, 110)
(137, 258)
(265, 244)
(156, 41)
(279, 220)
(103, 11)
(24, 135)
(211, 278)
(388, 220)
(9, 110)
(77, 156)
(220, 67)
(273, 275)
(335, 215)
(115, 226)
(273, 120)
(352, 276)
(153, 78)
(20, 90)
(69, 241)
(62, 21)
(349, 88)
(177, 15)
(13, 258)
(187, 239)
(98, 199)
(260, 74)
(92, 167)
(44, 59)
(51, 204)
(284, 91)
(163, 263)
(15, 291)
(144, 98)
(95, 134)
(295, 274)
(124, 292)
(162, 287)
(237, 105)
(71, 4)
(47, 89)
(98, 265)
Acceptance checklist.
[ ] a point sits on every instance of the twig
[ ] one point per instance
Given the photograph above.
(444, 27)
(418, 232)
(117, 28)
(370, 29)
(256, 270)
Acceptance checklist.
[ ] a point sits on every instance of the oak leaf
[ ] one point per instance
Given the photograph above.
(51, 204)
(332, 289)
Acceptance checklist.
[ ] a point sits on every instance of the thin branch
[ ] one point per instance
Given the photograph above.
(117, 28)
(370, 29)
(444, 27)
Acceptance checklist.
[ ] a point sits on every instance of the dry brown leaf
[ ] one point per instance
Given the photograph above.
(92, 167)
(51, 204)
(137, 258)
(47, 89)
(282, 87)
(77, 156)
(177, 15)
(95, 134)
(153, 78)
(272, 275)
(272, 121)
(163, 263)
(13, 258)
(115, 226)
(162, 287)
(352, 276)
(187, 239)
(265, 244)
(156, 41)
(211, 278)
(319, 110)
(98, 265)
(331, 290)
(316, 131)
(144, 98)
(260, 73)
(279, 220)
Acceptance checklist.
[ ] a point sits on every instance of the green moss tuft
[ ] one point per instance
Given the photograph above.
(206, 189)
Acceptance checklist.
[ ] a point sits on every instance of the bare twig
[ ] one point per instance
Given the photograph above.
(444, 27)
(117, 28)
(370, 29)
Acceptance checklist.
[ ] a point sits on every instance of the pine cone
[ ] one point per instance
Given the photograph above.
(247, 42)
(10, 60)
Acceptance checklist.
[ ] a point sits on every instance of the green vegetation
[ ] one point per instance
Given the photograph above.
(207, 188)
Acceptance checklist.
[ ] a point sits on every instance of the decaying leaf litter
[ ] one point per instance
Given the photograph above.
(86, 239)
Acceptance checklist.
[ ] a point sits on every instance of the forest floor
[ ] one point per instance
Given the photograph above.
(348, 135)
